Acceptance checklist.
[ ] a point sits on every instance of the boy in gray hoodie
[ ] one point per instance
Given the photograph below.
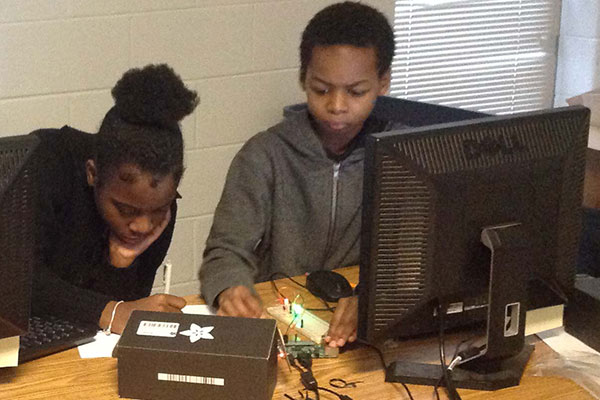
(292, 199)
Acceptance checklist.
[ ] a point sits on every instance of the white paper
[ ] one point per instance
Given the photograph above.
(565, 344)
(201, 309)
(9, 352)
(102, 346)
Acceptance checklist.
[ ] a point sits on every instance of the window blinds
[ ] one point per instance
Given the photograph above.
(494, 56)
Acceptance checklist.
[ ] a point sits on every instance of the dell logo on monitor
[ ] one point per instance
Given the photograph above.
(492, 145)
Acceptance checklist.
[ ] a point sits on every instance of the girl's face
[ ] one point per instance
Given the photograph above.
(132, 202)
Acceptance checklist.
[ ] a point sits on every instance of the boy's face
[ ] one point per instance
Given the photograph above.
(341, 87)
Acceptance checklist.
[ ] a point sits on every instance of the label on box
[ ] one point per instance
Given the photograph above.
(157, 328)
(202, 380)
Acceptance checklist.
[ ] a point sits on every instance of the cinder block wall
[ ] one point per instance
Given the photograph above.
(59, 59)
(578, 68)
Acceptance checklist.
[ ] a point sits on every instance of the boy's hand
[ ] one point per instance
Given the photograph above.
(158, 302)
(123, 254)
(343, 324)
(239, 301)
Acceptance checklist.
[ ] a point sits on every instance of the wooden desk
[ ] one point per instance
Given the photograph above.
(65, 376)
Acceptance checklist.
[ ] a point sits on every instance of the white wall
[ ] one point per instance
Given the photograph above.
(59, 59)
(578, 68)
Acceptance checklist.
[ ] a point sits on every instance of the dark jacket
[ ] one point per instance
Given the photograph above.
(75, 279)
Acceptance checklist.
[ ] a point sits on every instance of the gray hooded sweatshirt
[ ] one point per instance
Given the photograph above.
(286, 207)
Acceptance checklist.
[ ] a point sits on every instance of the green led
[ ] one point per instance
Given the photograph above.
(297, 309)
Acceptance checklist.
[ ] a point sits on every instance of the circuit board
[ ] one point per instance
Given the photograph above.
(305, 323)
(312, 349)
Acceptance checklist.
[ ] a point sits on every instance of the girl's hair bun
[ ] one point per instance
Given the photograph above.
(154, 95)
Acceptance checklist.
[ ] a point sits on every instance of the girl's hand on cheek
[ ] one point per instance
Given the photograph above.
(123, 254)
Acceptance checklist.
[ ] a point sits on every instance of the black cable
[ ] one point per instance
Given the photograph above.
(339, 395)
(289, 326)
(330, 309)
(276, 288)
(292, 361)
(437, 385)
(457, 353)
(306, 376)
(274, 274)
(450, 389)
(305, 360)
(435, 389)
(380, 354)
(457, 348)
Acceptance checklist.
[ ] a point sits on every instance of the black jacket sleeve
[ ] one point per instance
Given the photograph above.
(74, 279)
(51, 294)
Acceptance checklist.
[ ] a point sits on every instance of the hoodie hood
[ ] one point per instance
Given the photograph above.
(298, 133)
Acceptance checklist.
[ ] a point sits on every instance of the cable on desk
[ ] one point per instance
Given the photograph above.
(458, 356)
(339, 395)
(279, 293)
(306, 375)
(446, 373)
(435, 388)
(380, 354)
(328, 307)
(459, 345)
(274, 274)
(272, 280)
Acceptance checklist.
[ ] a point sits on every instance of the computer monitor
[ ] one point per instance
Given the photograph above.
(470, 220)
(17, 232)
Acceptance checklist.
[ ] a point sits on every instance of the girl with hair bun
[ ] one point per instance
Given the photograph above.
(108, 204)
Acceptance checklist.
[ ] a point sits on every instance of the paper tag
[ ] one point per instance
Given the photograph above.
(157, 328)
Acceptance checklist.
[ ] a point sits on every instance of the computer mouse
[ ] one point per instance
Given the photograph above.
(328, 285)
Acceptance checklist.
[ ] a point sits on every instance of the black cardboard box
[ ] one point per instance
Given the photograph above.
(182, 356)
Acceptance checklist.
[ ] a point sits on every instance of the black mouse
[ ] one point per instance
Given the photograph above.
(328, 285)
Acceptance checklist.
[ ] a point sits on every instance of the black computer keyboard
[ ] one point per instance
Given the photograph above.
(49, 335)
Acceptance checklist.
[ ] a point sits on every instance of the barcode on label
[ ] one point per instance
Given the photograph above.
(202, 380)
(158, 328)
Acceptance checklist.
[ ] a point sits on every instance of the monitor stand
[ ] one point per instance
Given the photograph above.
(502, 360)
(479, 376)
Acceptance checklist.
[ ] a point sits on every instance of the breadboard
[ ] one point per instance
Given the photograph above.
(307, 324)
